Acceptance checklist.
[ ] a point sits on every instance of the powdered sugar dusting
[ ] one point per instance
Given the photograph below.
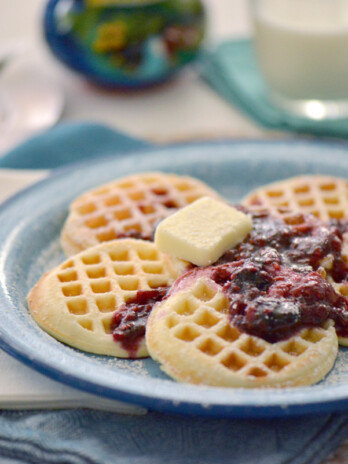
(340, 372)
(51, 256)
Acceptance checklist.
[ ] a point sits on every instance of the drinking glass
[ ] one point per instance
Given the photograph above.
(302, 50)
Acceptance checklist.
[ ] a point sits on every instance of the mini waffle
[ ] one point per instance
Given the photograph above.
(190, 335)
(128, 207)
(324, 196)
(76, 301)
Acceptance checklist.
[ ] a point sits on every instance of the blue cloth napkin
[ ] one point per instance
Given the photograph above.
(93, 437)
(231, 70)
(69, 143)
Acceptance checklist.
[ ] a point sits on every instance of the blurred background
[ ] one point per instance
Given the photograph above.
(183, 108)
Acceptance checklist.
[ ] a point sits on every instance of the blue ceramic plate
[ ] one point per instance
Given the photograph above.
(29, 245)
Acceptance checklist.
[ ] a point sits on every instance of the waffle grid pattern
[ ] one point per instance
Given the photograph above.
(214, 336)
(324, 196)
(131, 206)
(76, 301)
(198, 319)
(95, 284)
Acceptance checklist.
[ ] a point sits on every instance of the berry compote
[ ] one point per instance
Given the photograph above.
(273, 280)
(271, 300)
(129, 322)
(303, 244)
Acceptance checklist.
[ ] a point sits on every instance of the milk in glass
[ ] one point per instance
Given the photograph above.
(302, 48)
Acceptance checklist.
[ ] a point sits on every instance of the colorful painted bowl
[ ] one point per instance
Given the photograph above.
(125, 43)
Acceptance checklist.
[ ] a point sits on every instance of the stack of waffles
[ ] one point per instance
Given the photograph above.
(112, 260)
(108, 236)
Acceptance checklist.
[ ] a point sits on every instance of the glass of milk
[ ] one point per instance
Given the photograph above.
(302, 50)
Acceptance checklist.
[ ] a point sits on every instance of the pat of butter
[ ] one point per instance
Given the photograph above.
(202, 231)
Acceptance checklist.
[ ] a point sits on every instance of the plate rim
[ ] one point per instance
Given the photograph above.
(158, 403)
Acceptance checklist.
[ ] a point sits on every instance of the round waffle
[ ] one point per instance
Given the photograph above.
(76, 301)
(128, 207)
(324, 196)
(189, 334)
